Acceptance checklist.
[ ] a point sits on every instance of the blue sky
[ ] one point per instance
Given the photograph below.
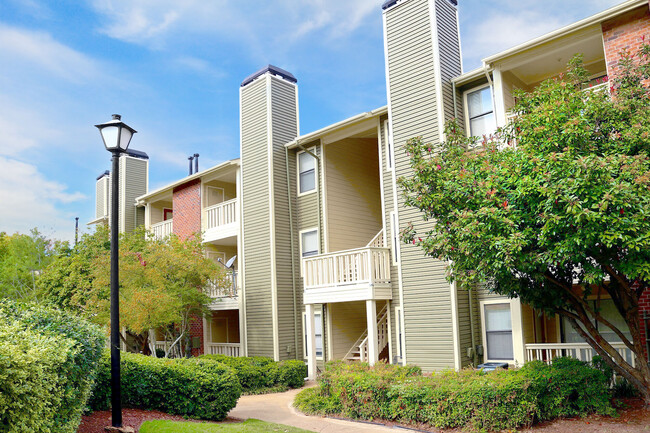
(173, 68)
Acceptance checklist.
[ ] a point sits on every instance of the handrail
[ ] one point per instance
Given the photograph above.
(221, 214)
(367, 265)
(162, 228)
(378, 240)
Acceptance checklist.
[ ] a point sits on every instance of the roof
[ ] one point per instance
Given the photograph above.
(389, 3)
(578, 25)
(137, 154)
(197, 175)
(105, 173)
(338, 125)
(273, 70)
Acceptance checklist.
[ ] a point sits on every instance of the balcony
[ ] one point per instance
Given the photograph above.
(162, 229)
(228, 349)
(223, 298)
(352, 275)
(221, 220)
(584, 352)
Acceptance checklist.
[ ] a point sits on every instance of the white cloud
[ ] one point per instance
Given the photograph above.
(29, 200)
(41, 52)
(265, 25)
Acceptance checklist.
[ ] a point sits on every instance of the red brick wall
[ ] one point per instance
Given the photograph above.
(187, 222)
(187, 209)
(625, 32)
(644, 311)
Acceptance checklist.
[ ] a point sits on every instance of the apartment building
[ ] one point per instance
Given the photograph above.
(310, 223)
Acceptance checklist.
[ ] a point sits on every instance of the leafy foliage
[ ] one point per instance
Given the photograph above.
(197, 388)
(554, 209)
(161, 283)
(468, 399)
(48, 361)
(22, 259)
(258, 374)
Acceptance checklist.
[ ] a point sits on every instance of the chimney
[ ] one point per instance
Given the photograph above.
(196, 163)
(190, 160)
(268, 120)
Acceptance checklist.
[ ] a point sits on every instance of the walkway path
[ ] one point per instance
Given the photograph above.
(277, 408)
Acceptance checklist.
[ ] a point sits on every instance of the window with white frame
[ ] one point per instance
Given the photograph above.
(318, 331)
(306, 173)
(309, 243)
(394, 229)
(480, 112)
(398, 329)
(389, 146)
(498, 331)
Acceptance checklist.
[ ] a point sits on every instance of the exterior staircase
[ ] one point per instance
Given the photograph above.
(359, 350)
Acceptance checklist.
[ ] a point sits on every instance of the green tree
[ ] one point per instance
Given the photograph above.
(554, 209)
(161, 284)
(22, 259)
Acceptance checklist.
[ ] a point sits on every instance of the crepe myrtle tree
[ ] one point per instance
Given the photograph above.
(553, 209)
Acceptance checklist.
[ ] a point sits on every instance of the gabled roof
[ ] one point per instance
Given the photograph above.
(273, 70)
(231, 163)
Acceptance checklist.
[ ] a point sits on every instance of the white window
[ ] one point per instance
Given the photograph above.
(394, 229)
(318, 330)
(306, 173)
(398, 328)
(309, 243)
(480, 112)
(498, 331)
(389, 146)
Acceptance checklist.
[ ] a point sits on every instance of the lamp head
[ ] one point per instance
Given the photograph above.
(116, 134)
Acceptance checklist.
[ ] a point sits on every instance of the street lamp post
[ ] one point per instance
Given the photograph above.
(116, 136)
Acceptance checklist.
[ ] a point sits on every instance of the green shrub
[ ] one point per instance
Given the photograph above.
(198, 388)
(468, 399)
(48, 361)
(259, 373)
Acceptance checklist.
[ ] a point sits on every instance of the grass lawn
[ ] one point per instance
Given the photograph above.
(248, 426)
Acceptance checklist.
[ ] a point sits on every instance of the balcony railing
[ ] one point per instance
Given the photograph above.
(362, 266)
(548, 351)
(162, 229)
(221, 214)
(230, 291)
(228, 349)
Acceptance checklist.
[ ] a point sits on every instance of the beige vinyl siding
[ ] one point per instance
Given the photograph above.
(450, 59)
(101, 192)
(353, 193)
(348, 323)
(414, 112)
(256, 215)
(133, 174)
(510, 83)
(285, 128)
(224, 326)
(228, 250)
(156, 210)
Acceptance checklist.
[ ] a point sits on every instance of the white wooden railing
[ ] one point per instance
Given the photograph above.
(221, 214)
(361, 345)
(214, 291)
(162, 229)
(367, 265)
(378, 240)
(228, 349)
(548, 351)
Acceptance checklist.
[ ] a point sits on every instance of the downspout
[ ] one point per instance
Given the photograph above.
(453, 92)
(293, 257)
(471, 326)
(487, 75)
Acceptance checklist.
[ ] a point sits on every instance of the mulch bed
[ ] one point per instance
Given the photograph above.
(96, 421)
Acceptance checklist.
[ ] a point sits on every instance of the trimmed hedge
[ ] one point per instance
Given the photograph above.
(468, 399)
(259, 373)
(197, 388)
(48, 361)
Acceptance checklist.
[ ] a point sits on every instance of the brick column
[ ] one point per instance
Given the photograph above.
(626, 32)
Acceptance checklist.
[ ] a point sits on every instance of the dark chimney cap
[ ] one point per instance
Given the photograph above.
(389, 3)
(272, 69)
(137, 154)
(106, 173)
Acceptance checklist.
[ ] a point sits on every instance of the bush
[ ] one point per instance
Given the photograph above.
(197, 388)
(48, 361)
(259, 373)
(468, 399)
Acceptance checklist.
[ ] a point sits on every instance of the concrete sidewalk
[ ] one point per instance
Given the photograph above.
(277, 408)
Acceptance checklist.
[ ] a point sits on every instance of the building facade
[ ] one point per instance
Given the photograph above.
(309, 224)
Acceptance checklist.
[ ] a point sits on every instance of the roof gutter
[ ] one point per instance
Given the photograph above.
(339, 125)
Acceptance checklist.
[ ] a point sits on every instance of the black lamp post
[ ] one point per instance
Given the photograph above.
(117, 136)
